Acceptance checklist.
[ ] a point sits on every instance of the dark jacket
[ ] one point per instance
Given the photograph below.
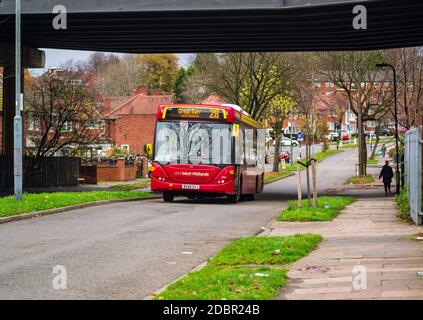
(387, 173)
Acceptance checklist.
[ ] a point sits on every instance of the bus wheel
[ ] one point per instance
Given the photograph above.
(250, 197)
(168, 196)
(234, 198)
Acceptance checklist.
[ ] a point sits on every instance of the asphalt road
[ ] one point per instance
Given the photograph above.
(127, 250)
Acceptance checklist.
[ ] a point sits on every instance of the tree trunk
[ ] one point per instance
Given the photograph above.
(361, 137)
(276, 155)
(372, 156)
(307, 171)
(363, 154)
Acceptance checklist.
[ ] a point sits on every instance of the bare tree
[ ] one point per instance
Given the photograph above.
(119, 79)
(356, 74)
(62, 114)
(251, 80)
(408, 63)
(337, 106)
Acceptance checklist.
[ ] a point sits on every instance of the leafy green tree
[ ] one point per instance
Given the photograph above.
(158, 71)
(178, 88)
(276, 113)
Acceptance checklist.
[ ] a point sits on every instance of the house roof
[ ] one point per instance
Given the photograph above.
(141, 104)
(116, 102)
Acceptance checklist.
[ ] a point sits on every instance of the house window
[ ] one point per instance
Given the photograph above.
(371, 124)
(92, 125)
(67, 126)
(328, 94)
(331, 126)
(76, 82)
(34, 124)
(329, 84)
(125, 147)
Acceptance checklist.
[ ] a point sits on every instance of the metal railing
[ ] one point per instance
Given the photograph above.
(413, 172)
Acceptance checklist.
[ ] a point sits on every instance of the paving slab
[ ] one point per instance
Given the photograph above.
(366, 234)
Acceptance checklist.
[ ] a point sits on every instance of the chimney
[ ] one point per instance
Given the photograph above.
(156, 92)
(106, 105)
(143, 90)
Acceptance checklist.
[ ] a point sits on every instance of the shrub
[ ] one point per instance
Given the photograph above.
(403, 204)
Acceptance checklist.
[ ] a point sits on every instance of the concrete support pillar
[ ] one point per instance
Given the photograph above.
(8, 115)
(31, 58)
(8, 110)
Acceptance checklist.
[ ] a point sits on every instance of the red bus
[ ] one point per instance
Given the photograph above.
(207, 151)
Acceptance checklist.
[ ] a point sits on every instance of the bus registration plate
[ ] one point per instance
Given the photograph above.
(191, 186)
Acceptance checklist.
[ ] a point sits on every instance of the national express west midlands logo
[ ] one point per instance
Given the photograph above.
(191, 173)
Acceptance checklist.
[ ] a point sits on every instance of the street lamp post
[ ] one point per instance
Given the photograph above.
(397, 175)
(291, 157)
(18, 179)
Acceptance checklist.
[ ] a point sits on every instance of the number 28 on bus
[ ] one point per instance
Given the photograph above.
(207, 151)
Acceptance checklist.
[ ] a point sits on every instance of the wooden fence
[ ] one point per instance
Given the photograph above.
(42, 172)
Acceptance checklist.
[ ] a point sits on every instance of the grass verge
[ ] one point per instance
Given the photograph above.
(324, 154)
(45, 201)
(349, 145)
(328, 208)
(372, 161)
(290, 170)
(275, 176)
(361, 180)
(142, 184)
(253, 268)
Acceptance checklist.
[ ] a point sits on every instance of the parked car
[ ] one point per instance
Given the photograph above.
(288, 135)
(333, 136)
(284, 156)
(384, 132)
(345, 135)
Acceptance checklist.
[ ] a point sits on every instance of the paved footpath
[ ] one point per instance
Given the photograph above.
(366, 233)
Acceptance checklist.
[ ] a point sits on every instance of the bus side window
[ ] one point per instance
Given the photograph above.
(239, 146)
(249, 146)
(261, 147)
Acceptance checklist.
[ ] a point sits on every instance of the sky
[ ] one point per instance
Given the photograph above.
(55, 58)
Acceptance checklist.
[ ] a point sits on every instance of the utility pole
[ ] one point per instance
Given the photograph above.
(18, 181)
(398, 160)
(291, 157)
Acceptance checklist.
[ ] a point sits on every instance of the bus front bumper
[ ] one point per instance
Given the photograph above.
(189, 188)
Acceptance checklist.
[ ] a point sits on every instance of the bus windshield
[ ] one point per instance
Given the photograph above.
(193, 143)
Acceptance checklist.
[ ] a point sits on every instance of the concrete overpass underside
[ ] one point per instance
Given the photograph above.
(136, 26)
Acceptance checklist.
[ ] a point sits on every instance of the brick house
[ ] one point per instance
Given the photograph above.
(130, 121)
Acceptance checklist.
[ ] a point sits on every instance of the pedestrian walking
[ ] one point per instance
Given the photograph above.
(383, 150)
(387, 174)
